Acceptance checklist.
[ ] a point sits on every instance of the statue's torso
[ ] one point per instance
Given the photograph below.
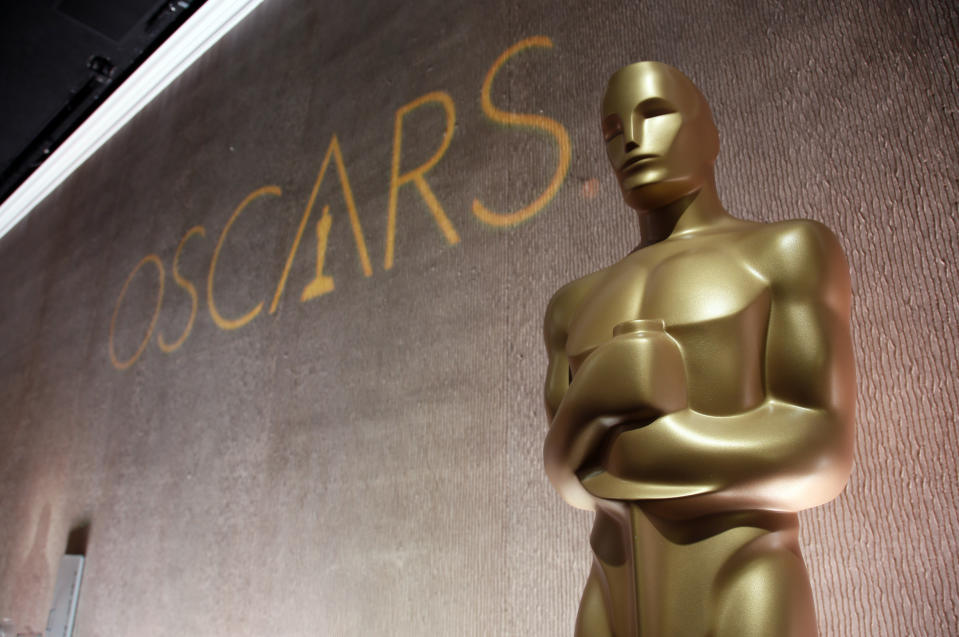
(714, 294)
(714, 300)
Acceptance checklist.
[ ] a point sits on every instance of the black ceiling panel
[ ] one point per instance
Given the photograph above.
(59, 59)
(111, 19)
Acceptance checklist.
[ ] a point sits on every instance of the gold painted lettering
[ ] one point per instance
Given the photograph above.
(225, 323)
(121, 365)
(186, 285)
(322, 283)
(416, 175)
(332, 152)
(537, 122)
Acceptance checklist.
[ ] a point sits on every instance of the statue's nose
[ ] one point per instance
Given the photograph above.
(630, 133)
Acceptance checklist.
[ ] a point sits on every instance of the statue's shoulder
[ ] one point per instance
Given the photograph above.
(799, 252)
(565, 301)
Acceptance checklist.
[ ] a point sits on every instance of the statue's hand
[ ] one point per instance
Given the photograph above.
(639, 370)
(633, 378)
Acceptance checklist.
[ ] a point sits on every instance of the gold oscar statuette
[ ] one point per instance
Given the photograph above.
(700, 391)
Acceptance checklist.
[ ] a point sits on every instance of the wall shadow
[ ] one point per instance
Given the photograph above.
(78, 538)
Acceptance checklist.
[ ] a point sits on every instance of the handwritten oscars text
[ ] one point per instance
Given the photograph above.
(322, 283)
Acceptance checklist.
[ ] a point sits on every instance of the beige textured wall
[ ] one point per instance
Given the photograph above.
(368, 462)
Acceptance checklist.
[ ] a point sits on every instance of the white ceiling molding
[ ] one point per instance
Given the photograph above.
(212, 21)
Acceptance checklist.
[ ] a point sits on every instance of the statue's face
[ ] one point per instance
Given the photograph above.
(660, 137)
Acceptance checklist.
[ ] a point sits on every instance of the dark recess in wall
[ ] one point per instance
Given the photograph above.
(78, 538)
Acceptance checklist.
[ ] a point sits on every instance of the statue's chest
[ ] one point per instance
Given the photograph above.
(683, 287)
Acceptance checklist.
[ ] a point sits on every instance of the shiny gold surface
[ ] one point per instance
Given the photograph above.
(701, 391)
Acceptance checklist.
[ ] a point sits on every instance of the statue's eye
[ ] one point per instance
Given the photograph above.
(655, 107)
(657, 112)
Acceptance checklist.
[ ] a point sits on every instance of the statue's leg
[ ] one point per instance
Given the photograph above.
(593, 618)
(763, 591)
(609, 603)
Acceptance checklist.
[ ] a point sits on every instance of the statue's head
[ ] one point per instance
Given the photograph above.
(660, 135)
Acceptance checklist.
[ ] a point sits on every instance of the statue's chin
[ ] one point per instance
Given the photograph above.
(660, 194)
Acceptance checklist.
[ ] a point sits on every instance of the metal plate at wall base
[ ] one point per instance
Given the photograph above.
(63, 612)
